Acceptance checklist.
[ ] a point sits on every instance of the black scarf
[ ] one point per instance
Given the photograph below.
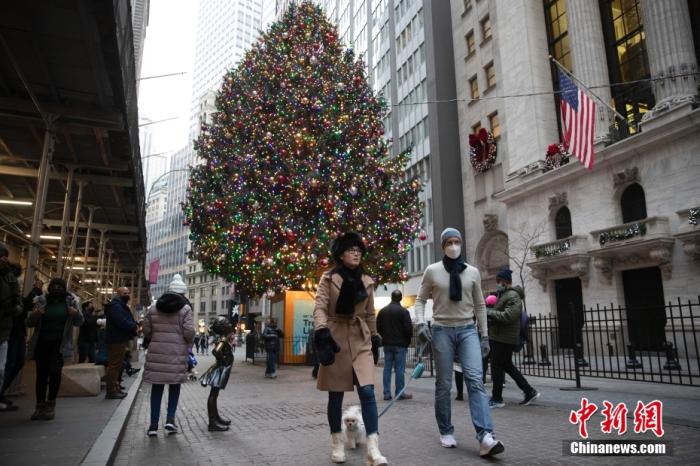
(454, 267)
(352, 291)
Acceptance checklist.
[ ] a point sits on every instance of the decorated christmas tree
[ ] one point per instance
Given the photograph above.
(293, 157)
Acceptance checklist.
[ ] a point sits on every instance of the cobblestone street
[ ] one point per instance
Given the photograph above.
(283, 422)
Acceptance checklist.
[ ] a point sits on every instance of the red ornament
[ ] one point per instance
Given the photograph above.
(423, 235)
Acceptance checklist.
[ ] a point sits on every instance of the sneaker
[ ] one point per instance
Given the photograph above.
(273, 375)
(170, 427)
(448, 441)
(387, 397)
(530, 397)
(406, 396)
(496, 404)
(489, 446)
(267, 376)
(459, 398)
(152, 431)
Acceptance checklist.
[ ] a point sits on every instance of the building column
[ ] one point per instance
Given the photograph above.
(39, 204)
(74, 238)
(669, 44)
(64, 223)
(589, 59)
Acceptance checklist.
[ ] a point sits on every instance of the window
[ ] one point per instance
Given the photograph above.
(476, 127)
(495, 125)
(633, 203)
(474, 87)
(213, 306)
(625, 44)
(562, 223)
(202, 292)
(558, 31)
(190, 293)
(202, 307)
(471, 42)
(485, 28)
(490, 73)
(214, 289)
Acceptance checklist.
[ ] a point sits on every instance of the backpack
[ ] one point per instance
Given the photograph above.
(524, 323)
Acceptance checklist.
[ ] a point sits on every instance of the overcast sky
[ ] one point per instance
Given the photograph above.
(169, 48)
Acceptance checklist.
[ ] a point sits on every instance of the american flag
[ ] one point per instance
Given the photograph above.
(578, 114)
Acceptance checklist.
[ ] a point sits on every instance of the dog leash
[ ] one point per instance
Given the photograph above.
(417, 372)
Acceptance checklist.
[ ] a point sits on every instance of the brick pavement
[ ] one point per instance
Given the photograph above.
(283, 422)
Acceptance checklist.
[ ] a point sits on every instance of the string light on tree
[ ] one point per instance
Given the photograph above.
(293, 157)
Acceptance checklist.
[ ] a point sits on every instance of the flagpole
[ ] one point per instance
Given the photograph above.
(571, 75)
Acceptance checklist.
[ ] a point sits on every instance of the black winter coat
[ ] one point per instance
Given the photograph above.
(121, 326)
(394, 325)
(271, 337)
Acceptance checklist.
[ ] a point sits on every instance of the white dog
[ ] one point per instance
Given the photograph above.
(353, 427)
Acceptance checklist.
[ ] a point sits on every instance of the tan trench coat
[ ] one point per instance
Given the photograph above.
(352, 333)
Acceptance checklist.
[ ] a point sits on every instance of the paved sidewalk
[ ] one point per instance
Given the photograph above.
(283, 422)
(63, 441)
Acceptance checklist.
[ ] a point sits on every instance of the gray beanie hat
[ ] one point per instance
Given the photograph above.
(448, 233)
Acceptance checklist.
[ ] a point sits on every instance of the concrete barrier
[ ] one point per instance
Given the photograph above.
(81, 380)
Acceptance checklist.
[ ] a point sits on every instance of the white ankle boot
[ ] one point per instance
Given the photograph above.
(337, 448)
(374, 456)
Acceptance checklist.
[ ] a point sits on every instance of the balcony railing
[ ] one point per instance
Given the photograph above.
(572, 244)
(652, 227)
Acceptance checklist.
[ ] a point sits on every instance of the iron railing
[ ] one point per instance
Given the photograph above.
(652, 344)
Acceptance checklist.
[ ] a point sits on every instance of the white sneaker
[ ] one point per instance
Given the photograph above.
(448, 441)
(490, 446)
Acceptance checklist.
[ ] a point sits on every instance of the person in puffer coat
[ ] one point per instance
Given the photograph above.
(504, 331)
(169, 328)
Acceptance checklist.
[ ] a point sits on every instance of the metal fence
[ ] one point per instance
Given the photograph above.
(653, 344)
(299, 350)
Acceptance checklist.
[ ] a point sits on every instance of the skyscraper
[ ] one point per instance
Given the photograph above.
(139, 20)
(407, 49)
(225, 29)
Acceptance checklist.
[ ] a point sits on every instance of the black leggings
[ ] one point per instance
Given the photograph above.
(49, 363)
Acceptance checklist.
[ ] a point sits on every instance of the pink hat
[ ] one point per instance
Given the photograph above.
(491, 300)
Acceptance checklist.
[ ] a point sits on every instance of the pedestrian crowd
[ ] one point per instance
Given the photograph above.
(468, 331)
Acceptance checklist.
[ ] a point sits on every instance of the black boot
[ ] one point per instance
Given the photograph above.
(214, 424)
(223, 421)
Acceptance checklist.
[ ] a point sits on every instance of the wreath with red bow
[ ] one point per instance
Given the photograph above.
(482, 150)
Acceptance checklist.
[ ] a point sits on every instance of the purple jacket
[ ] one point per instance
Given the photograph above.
(170, 329)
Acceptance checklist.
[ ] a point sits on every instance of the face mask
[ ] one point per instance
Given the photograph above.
(453, 251)
(125, 299)
(500, 288)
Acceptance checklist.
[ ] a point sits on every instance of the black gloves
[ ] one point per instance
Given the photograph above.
(376, 343)
(326, 347)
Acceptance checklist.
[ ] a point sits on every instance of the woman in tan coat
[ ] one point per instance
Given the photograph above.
(345, 332)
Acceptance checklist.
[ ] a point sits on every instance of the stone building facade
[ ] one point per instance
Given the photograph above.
(624, 232)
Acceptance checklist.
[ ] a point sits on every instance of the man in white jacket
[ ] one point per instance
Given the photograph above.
(458, 304)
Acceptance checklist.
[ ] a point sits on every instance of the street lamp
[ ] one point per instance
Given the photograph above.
(161, 176)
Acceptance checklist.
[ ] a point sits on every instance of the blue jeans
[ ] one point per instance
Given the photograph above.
(271, 362)
(464, 341)
(394, 358)
(157, 396)
(369, 409)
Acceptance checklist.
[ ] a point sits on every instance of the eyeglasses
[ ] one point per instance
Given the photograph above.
(354, 250)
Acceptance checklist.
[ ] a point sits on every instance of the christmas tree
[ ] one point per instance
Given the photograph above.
(293, 157)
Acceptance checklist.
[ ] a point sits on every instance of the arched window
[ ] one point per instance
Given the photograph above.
(562, 223)
(633, 203)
